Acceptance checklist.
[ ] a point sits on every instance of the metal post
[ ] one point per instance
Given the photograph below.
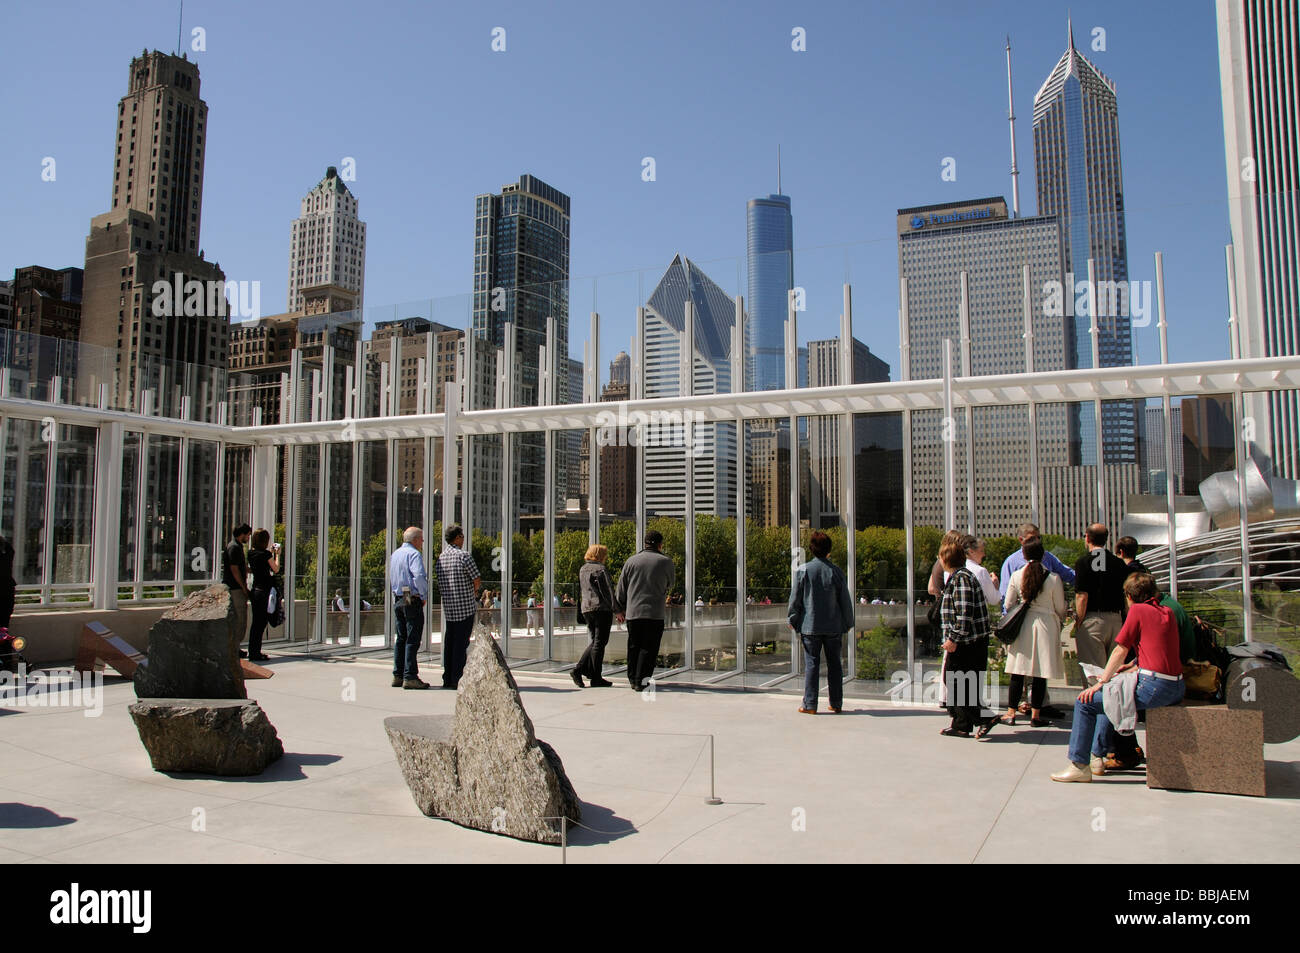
(741, 484)
(1027, 306)
(792, 381)
(389, 376)
(142, 481)
(1096, 402)
(182, 490)
(108, 514)
(949, 439)
(592, 375)
(1240, 455)
(450, 412)
(848, 473)
(468, 401)
(356, 409)
(688, 460)
(909, 530)
(507, 374)
(713, 789)
(1172, 523)
(638, 396)
(551, 364)
(967, 371)
(321, 412)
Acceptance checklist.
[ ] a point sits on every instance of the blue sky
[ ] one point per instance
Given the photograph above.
(583, 92)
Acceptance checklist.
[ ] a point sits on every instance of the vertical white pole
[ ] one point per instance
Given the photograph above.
(791, 382)
(949, 440)
(550, 364)
(593, 450)
(742, 484)
(1242, 450)
(848, 473)
(688, 459)
(1027, 305)
(1102, 516)
(967, 371)
(909, 529)
(1171, 523)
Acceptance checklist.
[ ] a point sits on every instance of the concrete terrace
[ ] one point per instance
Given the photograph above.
(875, 784)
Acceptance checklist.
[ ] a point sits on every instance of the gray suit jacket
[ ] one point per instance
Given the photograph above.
(643, 584)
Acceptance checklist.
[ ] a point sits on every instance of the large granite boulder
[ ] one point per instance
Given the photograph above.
(206, 736)
(483, 767)
(194, 651)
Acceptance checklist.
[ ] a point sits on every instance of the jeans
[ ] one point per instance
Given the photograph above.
(812, 649)
(593, 659)
(1092, 731)
(643, 638)
(406, 643)
(455, 647)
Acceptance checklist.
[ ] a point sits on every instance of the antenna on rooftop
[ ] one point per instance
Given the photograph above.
(1011, 117)
(778, 169)
(179, 21)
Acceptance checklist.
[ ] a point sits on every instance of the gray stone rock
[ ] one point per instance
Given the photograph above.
(206, 736)
(194, 651)
(484, 768)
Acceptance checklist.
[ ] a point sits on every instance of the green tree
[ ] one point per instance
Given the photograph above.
(619, 537)
(570, 548)
(925, 549)
(374, 566)
(715, 558)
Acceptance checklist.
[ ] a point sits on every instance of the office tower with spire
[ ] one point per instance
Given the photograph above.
(151, 235)
(714, 445)
(1077, 162)
(1257, 43)
(327, 243)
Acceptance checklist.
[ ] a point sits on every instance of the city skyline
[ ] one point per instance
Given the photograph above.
(1036, 40)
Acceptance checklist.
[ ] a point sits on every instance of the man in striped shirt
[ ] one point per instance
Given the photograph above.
(458, 583)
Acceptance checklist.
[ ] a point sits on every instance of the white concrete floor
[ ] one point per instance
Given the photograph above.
(877, 783)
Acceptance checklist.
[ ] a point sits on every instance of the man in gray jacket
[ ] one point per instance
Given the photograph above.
(642, 588)
(821, 611)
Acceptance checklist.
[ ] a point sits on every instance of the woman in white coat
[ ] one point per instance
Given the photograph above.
(1036, 652)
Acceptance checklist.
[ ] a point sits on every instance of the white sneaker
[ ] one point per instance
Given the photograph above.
(1075, 772)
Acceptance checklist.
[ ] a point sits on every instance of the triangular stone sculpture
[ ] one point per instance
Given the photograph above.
(483, 767)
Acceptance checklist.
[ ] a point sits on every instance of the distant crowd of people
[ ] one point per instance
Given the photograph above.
(1130, 639)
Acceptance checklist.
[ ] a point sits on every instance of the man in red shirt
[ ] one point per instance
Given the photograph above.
(1153, 631)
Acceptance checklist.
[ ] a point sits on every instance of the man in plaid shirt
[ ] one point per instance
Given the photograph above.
(458, 584)
(965, 615)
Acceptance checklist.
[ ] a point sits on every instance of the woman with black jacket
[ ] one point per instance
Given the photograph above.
(597, 605)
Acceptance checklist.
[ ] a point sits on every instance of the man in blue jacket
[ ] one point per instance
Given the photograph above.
(821, 611)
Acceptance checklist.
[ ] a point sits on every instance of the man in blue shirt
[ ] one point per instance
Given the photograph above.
(410, 587)
(1016, 560)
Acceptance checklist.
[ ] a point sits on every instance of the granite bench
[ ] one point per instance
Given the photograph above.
(1196, 746)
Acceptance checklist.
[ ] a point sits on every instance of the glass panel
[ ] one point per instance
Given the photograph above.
(129, 516)
(767, 550)
(306, 468)
(201, 551)
(22, 517)
(375, 543)
(162, 482)
(74, 505)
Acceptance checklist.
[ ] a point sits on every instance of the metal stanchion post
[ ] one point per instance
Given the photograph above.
(713, 794)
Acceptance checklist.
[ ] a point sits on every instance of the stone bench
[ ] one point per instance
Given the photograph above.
(1203, 747)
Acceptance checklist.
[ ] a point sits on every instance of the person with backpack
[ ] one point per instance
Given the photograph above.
(821, 611)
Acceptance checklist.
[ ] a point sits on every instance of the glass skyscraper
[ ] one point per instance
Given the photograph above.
(1077, 161)
(769, 249)
(521, 274)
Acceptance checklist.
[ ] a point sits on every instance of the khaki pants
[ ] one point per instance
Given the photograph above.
(239, 601)
(1095, 637)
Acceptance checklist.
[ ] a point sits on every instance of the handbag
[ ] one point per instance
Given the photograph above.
(1202, 679)
(1008, 628)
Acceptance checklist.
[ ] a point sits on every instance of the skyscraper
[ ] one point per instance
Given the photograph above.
(521, 275)
(327, 243)
(1077, 160)
(150, 239)
(826, 458)
(714, 448)
(1257, 44)
(769, 252)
